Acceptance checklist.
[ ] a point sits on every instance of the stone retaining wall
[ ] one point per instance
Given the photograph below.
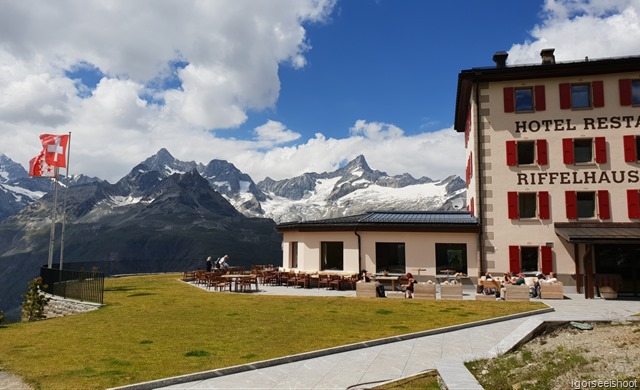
(61, 307)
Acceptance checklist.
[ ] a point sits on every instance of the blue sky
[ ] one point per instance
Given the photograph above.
(277, 87)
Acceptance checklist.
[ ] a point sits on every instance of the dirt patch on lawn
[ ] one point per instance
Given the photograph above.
(565, 357)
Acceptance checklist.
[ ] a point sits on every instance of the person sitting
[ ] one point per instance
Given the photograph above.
(551, 278)
(408, 287)
(222, 262)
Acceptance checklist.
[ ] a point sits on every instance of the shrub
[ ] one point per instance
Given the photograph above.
(1, 316)
(34, 301)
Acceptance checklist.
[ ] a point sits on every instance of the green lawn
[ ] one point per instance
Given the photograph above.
(157, 326)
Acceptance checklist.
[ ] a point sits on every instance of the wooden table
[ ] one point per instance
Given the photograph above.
(236, 278)
(393, 280)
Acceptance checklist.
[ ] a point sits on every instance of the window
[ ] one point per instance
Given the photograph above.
(525, 259)
(629, 92)
(528, 99)
(451, 257)
(583, 150)
(523, 205)
(524, 99)
(583, 205)
(390, 257)
(581, 95)
(586, 204)
(293, 253)
(527, 152)
(631, 148)
(331, 256)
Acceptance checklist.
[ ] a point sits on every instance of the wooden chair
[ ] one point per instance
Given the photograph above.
(424, 291)
(323, 280)
(513, 292)
(451, 291)
(335, 281)
(248, 282)
(351, 280)
(552, 290)
(366, 290)
(218, 282)
(302, 280)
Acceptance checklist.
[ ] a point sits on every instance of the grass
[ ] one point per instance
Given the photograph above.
(154, 327)
(519, 369)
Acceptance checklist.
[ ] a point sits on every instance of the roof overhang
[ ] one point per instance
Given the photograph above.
(599, 233)
(379, 227)
(467, 78)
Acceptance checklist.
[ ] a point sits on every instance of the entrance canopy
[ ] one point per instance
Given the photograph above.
(599, 233)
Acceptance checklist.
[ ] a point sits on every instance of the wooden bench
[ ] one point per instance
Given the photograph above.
(516, 292)
(424, 291)
(451, 291)
(366, 290)
(552, 290)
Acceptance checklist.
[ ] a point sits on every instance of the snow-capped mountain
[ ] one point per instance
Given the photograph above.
(351, 189)
(354, 189)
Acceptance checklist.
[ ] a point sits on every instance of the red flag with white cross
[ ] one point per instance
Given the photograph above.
(55, 149)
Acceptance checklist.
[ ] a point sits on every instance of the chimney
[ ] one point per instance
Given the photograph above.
(547, 56)
(500, 58)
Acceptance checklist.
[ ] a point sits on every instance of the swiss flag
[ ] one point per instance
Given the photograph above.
(55, 149)
(38, 167)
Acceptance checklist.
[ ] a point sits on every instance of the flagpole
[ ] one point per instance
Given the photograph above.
(64, 203)
(53, 218)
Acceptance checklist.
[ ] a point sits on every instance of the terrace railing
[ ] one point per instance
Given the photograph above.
(87, 286)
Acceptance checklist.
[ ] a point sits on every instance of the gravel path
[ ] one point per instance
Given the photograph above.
(12, 382)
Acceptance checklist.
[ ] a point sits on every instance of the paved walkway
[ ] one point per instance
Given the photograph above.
(368, 366)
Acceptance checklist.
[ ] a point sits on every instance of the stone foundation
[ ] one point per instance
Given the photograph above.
(61, 307)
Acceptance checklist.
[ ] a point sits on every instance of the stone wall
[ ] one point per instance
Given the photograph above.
(61, 307)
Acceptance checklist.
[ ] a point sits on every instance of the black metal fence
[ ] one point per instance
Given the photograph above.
(82, 285)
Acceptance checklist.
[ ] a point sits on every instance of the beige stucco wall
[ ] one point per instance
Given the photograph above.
(497, 127)
(419, 249)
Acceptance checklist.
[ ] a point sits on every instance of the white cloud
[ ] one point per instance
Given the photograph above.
(275, 133)
(579, 29)
(231, 51)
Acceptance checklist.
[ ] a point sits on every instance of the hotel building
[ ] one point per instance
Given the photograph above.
(552, 156)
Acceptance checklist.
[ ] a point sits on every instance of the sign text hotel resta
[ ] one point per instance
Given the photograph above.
(581, 176)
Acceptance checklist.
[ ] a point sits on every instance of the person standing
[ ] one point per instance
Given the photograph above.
(209, 264)
(409, 286)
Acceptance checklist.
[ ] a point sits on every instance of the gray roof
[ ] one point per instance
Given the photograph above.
(392, 220)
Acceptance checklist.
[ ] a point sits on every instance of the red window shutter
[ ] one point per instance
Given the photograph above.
(625, 92)
(601, 150)
(543, 203)
(512, 201)
(541, 146)
(567, 150)
(565, 96)
(512, 154)
(597, 89)
(630, 153)
(541, 103)
(472, 208)
(509, 97)
(547, 259)
(514, 259)
(570, 198)
(604, 211)
(633, 203)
